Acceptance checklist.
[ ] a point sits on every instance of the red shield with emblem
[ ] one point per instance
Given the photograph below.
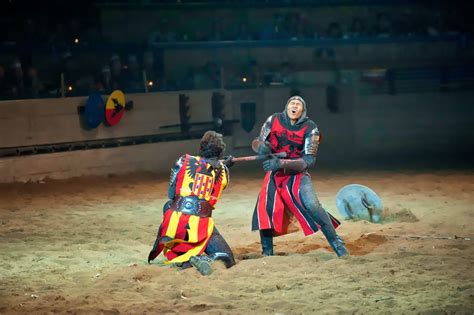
(115, 107)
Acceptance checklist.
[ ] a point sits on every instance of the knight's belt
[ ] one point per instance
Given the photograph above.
(193, 205)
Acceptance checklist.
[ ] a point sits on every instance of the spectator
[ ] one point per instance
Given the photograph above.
(117, 80)
(73, 30)
(243, 32)
(103, 83)
(149, 65)
(3, 83)
(296, 26)
(274, 29)
(285, 75)
(383, 26)
(357, 28)
(167, 31)
(248, 75)
(156, 36)
(27, 43)
(324, 53)
(302, 30)
(213, 74)
(252, 73)
(334, 30)
(85, 85)
(71, 71)
(17, 85)
(188, 82)
(33, 84)
(133, 75)
(217, 30)
(408, 25)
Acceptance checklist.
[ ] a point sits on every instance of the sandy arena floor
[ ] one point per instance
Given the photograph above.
(80, 246)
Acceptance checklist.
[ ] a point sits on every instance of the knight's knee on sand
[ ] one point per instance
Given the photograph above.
(187, 235)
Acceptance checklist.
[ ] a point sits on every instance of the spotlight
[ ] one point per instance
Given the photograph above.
(69, 88)
(244, 79)
(150, 83)
(76, 40)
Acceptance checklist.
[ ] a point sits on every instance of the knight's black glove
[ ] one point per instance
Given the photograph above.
(228, 161)
(272, 164)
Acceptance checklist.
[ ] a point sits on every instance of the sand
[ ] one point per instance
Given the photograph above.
(80, 246)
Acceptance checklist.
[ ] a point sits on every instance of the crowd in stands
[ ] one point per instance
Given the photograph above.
(47, 62)
(299, 25)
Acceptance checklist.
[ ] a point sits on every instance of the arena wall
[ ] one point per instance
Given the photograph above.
(44, 121)
(360, 129)
(425, 125)
(373, 128)
(155, 157)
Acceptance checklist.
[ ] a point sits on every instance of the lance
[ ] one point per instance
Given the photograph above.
(259, 157)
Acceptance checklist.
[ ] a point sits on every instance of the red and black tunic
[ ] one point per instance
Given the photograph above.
(279, 199)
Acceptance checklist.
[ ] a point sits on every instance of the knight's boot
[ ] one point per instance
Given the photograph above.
(202, 263)
(336, 242)
(339, 246)
(226, 258)
(266, 238)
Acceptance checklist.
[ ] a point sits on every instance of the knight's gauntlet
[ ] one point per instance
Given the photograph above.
(293, 166)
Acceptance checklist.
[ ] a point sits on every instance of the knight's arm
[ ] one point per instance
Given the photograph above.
(308, 159)
(260, 144)
(173, 174)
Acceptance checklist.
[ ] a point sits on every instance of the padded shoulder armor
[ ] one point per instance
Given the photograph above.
(264, 133)
(173, 173)
(266, 128)
(311, 142)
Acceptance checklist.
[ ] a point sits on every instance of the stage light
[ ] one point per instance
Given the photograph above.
(244, 79)
(150, 83)
(69, 88)
(76, 40)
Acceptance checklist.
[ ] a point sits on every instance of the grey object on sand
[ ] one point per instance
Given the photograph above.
(359, 202)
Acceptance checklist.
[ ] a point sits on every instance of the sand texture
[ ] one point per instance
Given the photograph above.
(79, 246)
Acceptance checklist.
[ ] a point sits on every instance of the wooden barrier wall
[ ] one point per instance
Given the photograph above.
(372, 128)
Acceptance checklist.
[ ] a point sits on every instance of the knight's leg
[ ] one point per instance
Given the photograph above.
(266, 237)
(153, 253)
(311, 202)
(218, 249)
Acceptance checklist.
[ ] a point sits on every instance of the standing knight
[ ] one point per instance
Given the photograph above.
(287, 190)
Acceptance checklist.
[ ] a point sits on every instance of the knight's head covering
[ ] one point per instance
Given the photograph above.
(303, 114)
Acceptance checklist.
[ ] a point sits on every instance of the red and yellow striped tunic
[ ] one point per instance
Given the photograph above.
(185, 235)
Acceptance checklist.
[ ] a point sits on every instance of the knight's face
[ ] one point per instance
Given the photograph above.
(294, 110)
